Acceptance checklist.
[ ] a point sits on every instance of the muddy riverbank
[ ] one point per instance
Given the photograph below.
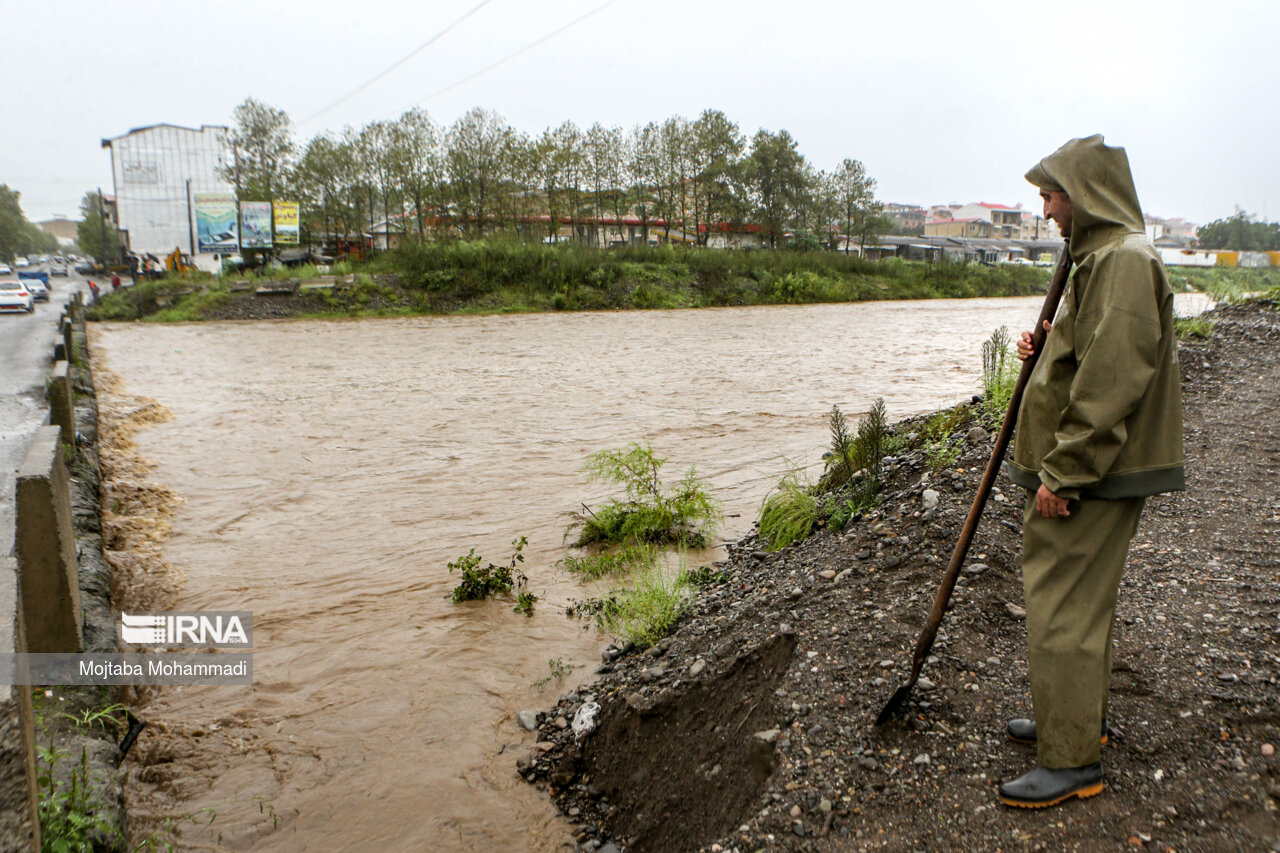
(750, 726)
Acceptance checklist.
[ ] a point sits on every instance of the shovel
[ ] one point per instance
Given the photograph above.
(1051, 299)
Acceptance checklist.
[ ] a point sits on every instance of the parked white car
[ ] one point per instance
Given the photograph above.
(15, 297)
(39, 292)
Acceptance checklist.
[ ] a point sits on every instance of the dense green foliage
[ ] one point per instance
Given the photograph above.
(95, 233)
(683, 514)
(1225, 284)
(17, 235)
(509, 275)
(480, 177)
(1239, 232)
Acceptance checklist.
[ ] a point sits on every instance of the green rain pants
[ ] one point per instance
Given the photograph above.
(1071, 575)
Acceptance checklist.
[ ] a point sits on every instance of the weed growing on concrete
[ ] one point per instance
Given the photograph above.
(68, 820)
(652, 512)
(480, 582)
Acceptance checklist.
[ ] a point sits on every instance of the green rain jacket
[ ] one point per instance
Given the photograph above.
(1102, 413)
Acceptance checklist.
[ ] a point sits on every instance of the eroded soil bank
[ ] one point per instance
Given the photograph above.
(751, 726)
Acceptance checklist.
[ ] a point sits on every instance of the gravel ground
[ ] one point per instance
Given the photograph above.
(751, 725)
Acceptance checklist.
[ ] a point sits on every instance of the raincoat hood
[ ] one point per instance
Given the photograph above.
(1096, 177)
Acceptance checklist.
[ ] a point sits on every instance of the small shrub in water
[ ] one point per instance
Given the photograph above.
(685, 514)
(480, 582)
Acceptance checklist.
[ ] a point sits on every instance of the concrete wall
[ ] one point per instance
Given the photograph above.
(62, 412)
(19, 826)
(49, 575)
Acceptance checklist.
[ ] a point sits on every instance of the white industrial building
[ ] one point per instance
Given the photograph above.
(157, 171)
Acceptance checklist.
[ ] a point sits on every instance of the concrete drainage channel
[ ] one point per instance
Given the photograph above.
(61, 746)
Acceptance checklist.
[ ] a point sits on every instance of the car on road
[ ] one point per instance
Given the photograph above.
(57, 267)
(39, 292)
(15, 297)
(5, 269)
(21, 262)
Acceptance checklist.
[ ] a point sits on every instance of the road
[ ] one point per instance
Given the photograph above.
(26, 351)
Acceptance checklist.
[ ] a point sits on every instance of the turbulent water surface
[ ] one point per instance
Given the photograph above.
(328, 472)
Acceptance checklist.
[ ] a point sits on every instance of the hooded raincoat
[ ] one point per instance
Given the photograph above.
(1101, 416)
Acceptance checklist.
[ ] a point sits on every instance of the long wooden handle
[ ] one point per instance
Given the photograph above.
(1051, 300)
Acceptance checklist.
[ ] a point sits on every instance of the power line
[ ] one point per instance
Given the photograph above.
(396, 64)
(512, 56)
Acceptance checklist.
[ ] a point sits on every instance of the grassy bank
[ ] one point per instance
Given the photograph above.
(502, 277)
(1225, 284)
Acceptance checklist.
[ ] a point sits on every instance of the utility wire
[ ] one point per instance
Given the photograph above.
(396, 64)
(512, 56)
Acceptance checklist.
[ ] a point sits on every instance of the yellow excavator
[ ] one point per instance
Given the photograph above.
(178, 263)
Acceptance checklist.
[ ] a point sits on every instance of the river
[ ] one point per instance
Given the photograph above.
(327, 471)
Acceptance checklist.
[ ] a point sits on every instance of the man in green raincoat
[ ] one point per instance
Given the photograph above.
(1099, 430)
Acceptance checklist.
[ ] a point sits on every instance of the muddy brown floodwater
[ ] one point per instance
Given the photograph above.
(328, 472)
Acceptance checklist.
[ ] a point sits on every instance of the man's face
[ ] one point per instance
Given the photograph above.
(1057, 206)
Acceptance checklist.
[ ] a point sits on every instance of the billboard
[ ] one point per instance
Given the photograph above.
(216, 229)
(255, 225)
(286, 217)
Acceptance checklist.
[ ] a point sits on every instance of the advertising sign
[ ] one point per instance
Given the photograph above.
(286, 213)
(216, 229)
(255, 225)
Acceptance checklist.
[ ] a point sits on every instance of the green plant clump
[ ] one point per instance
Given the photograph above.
(69, 822)
(480, 582)
(790, 512)
(1193, 327)
(645, 611)
(684, 515)
(610, 562)
(849, 484)
(1000, 368)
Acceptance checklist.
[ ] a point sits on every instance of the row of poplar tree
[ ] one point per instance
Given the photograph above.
(480, 176)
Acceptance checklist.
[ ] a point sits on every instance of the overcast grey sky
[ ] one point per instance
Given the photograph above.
(943, 101)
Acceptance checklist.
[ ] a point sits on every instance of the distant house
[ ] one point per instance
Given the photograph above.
(1005, 221)
(726, 235)
(905, 216)
(970, 227)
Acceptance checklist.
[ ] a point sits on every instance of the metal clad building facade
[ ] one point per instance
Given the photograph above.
(156, 171)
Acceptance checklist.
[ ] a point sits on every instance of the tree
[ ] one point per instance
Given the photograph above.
(262, 149)
(717, 146)
(854, 195)
(604, 153)
(417, 162)
(95, 233)
(480, 161)
(645, 166)
(12, 224)
(777, 179)
(17, 235)
(1239, 232)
